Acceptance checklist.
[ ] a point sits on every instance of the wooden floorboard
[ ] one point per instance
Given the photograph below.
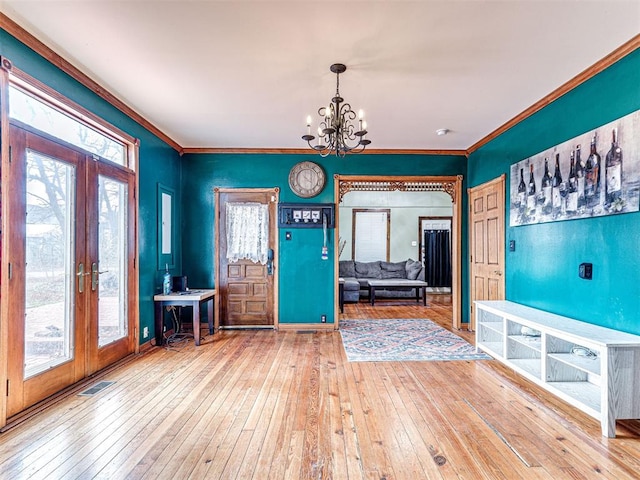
(269, 405)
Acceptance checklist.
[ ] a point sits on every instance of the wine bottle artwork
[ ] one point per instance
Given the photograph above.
(572, 187)
(546, 189)
(557, 188)
(592, 177)
(531, 193)
(580, 178)
(522, 194)
(565, 183)
(613, 176)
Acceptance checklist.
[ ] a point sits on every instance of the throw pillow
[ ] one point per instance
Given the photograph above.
(393, 270)
(413, 269)
(347, 268)
(368, 270)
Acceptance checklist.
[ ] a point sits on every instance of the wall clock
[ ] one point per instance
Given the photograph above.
(307, 179)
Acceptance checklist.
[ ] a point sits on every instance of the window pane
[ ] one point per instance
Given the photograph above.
(49, 312)
(112, 261)
(370, 236)
(34, 112)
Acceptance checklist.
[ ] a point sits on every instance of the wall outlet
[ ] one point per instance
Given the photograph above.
(323, 318)
(145, 332)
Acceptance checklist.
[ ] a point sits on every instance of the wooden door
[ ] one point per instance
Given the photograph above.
(246, 288)
(486, 235)
(58, 325)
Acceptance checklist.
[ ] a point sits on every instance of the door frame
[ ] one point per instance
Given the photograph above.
(451, 185)
(8, 230)
(91, 360)
(420, 232)
(275, 191)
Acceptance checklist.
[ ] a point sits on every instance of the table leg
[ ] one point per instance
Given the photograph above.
(159, 323)
(210, 315)
(341, 297)
(196, 322)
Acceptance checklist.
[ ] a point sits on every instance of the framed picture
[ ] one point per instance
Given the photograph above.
(594, 174)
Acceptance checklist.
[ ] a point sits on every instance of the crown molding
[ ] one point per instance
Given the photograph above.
(308, 151)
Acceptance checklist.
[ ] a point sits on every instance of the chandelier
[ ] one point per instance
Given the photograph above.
(337, 132)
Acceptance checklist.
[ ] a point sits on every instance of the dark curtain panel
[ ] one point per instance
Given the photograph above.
(437, 258)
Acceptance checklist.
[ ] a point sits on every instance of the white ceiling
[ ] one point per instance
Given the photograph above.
(245, 74)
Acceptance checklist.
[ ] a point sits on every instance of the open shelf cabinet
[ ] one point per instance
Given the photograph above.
(595, 369)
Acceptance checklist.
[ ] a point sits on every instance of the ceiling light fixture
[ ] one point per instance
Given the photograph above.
(442, 131)
(337, 133)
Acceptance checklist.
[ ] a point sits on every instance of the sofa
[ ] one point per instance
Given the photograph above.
(355, 276)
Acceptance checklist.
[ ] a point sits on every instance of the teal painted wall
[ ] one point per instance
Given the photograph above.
(543, 271)
(158, 163)
(305, 280)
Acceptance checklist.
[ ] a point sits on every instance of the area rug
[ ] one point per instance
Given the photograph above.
(388, 340)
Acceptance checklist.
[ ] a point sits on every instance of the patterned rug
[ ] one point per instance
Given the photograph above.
(403, 340)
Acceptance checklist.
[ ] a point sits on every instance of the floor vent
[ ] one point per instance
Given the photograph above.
(306, 331)
(95, 389)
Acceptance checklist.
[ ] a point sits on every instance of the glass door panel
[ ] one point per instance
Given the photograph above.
(111, 271)
(49, 258)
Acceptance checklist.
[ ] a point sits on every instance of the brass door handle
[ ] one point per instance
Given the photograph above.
(497, 272)
(81, 273)
(95, 278)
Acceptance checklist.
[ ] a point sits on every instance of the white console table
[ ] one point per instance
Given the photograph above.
(595, 369)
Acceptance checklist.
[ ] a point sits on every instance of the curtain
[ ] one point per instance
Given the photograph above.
(247, 232)
(437, 254)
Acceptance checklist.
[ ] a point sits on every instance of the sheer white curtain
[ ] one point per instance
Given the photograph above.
(247, 232)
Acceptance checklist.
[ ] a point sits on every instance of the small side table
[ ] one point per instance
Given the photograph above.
(190, 298)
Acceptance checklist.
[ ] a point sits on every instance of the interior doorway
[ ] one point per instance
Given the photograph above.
(451, 185)
(434, 249)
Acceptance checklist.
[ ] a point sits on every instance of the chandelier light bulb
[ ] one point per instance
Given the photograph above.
(360, 114)
(308, 120)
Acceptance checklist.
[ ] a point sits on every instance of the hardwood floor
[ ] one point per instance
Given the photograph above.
(262, 404)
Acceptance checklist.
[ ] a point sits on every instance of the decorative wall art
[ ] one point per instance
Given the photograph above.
(594, 174)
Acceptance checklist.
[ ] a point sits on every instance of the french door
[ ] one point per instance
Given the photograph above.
(70, 251)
